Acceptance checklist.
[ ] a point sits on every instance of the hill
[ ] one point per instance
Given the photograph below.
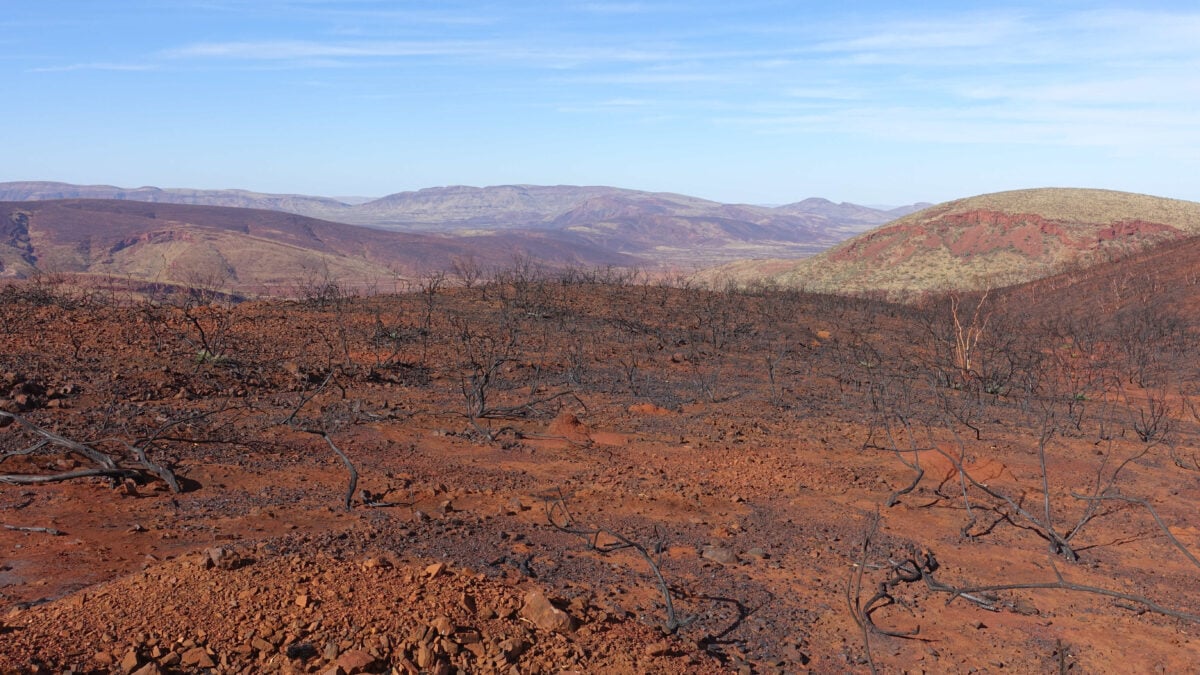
(243, 199)
(664, 228)
(991, 240)
(1166, 276)
(249, 250)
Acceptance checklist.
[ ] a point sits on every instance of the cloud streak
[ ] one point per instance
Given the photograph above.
(283, 50)
(111, 67)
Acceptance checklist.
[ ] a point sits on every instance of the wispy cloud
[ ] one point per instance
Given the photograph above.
(383, 10)
(1048, 37)
(607, 106)
(624, 7)
(1124, 91)
(1118, 80)
(548, 55)
(1128, 130)
(688, 77)
(1108, 78)
(973, 31)
(827, 92)
(277, 50)
(115, 67)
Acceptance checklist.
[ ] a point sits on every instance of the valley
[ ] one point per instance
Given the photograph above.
(555, 225)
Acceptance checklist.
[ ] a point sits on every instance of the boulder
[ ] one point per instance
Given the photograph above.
(539, 611)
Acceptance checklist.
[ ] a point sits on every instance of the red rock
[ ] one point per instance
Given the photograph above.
(262, 645)
(131, 662)
(719, 554)
(539, 611)
(196, 657)
(220, 558)
(355, 661)
(443, 625)
(658, 648)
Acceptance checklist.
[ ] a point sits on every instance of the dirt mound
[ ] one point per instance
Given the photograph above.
(313, 612)
(568, 426)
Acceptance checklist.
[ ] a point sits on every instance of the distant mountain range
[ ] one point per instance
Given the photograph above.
(991, 240)
(661, 229)
(252, 250)
(271, 243)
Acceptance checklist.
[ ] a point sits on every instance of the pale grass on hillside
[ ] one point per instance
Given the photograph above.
(1078, 211)
(1077, 205)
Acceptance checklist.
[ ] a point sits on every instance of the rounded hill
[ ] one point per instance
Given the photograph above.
(994, 240)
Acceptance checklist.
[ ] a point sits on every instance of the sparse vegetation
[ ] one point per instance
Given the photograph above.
(747, 429)
(991, 241)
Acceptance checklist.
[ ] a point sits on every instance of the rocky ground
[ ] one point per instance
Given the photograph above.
(530, 457)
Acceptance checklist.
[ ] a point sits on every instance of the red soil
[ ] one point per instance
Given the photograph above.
(649, 411)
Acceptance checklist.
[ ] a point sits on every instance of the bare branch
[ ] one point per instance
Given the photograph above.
(45, 530)
(1062, 584)
(290, 419)
(22, 479)
(1154, 514)
(911, 571)
(592, 535)
(349, 500)
(95, 455)
(854, 591)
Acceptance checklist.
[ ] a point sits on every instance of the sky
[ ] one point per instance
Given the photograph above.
(756, 101)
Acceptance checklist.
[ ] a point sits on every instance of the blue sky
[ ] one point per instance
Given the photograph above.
(756, 101)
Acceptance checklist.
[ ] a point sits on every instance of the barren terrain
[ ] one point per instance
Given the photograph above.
(560, 474)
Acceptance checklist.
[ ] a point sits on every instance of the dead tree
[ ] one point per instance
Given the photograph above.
(105, 465)
(348, 501)
(605, 541)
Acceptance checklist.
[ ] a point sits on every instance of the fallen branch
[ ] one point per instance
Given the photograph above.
(24, 479)
(107, 465)
(44, 530)
(910, 570)
(51, 438)
(1063, 584)
(528, 407)
(141, 448)
(376, 500)
(155, 468)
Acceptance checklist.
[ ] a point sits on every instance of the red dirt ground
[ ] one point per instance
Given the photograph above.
(651, 413)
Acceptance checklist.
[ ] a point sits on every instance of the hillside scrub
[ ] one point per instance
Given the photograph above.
(1021, 459)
